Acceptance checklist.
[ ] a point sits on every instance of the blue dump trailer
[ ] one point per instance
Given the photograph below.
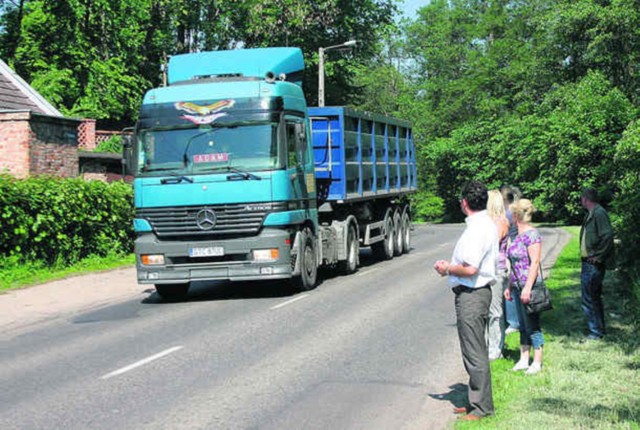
(237, 179)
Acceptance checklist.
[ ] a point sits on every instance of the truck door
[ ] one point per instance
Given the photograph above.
(298, 168)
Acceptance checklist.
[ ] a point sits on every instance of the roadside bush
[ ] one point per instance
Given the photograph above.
(427, 207)
(64, 220)
(627, 206)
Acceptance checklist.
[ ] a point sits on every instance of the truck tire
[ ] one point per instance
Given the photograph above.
(172, 291)
(406, 237)
(350, 265)
(308, 265)
(399, 233)
(384, 250)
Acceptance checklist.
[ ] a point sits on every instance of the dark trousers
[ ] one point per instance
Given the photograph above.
(530, 331)
(472, 308)
(591, 279)
(511, 314)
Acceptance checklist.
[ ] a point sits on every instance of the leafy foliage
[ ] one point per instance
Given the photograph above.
(64, 220)
(113, 144)
(567, 143)
(535, 93)
(426, 206)
(627, 209)
(97, 58)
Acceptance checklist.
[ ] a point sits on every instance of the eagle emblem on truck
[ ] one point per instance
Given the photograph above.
(207, 114)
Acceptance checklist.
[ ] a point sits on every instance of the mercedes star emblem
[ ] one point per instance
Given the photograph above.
(206, 219)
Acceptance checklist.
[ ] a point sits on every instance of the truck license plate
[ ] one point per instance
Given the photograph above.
(207, 251)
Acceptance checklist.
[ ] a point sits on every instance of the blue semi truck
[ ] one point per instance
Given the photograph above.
(237, 179)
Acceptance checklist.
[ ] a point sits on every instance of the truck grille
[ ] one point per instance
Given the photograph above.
(243, 219)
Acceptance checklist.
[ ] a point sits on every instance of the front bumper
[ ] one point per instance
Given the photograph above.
(235, 265)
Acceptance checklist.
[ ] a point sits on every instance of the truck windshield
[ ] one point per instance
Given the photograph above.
(246, 146)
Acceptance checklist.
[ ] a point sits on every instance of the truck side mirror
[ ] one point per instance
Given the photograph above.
(302, 136)
(128, 154)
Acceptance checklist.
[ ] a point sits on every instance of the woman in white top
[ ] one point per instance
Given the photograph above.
(495, 324)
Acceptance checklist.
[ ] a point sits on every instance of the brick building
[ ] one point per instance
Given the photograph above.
(35, 138)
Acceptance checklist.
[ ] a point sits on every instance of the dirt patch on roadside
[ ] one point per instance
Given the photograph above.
(23, 308)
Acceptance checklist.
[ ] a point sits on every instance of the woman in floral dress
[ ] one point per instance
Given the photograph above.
(524, 254)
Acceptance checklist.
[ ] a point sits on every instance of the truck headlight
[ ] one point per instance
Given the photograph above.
(266, 254)
(152, 259)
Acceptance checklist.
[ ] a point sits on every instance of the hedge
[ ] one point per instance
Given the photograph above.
(64, 220)
(627, 207)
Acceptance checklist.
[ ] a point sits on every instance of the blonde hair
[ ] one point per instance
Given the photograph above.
(495, 204)
(523, 210)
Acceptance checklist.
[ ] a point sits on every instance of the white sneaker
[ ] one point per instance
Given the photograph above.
(521, 365)
(536, 367)
(510, 330)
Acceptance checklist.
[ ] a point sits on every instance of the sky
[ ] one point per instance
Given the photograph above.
(410, 7)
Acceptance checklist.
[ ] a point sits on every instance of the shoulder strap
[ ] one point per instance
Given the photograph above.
(540, 265)
(539, 262)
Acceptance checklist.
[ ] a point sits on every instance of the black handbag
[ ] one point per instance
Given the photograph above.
(540, 300)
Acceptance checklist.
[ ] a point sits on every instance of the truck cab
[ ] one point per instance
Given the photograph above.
(224, 180)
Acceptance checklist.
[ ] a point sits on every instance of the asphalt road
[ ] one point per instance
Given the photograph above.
(374, 350)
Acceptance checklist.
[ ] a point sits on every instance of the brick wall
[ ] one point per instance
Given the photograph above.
(54, 146)
(14, 143)
(34, 144)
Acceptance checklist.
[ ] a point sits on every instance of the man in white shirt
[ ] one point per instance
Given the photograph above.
(471, 273)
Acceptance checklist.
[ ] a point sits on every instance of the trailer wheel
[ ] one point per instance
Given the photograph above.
(384, 250)
(406, 238)
(399, 236)
(308, 266)
(350, 265)
(172, 291)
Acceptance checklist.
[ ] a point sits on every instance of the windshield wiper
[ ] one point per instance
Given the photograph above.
(159, 169)
(244, 175)
(177, 178)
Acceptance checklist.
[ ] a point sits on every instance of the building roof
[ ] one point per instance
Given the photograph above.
(16, 94)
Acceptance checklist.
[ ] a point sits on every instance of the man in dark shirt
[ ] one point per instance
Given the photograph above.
(596, 246)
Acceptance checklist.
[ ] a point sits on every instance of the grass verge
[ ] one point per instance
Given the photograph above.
(15, 274)
(583, 385)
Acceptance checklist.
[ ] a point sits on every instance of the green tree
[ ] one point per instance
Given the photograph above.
(11, 12)
(567, 143)
(626, 218)
(72, 53)
(96, 58)
(598, 35)
(584, 123)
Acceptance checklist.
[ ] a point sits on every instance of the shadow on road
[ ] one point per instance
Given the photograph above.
(224, 290)
(457, 395)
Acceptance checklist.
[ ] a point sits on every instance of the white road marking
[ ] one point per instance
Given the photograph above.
(288, 302)
(141, 362)
(366, 272)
